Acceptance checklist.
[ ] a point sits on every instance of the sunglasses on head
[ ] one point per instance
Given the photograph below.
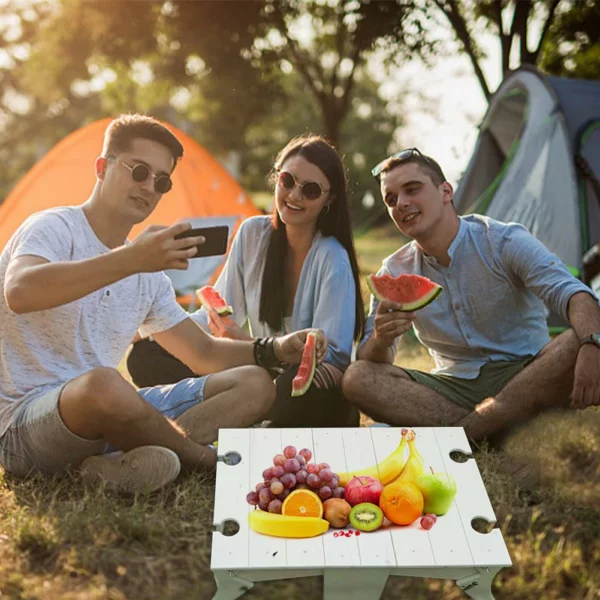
(311, 190)
(404, 155)
(140, 172)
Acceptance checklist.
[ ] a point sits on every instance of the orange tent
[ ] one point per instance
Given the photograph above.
(203, 193)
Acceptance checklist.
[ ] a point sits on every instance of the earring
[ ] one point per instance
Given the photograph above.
(327, 209)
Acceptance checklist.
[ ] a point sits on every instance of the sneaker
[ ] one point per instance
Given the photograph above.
(143, 469)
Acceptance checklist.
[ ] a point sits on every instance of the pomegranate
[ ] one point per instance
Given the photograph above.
(363, 488)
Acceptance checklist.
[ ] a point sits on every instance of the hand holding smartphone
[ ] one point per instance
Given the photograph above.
(215, 240)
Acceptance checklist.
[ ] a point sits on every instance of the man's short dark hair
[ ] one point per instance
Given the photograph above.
(125, 128)
(429, 166)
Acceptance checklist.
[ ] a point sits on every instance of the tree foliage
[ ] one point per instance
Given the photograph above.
(221, 70)
(573, 46)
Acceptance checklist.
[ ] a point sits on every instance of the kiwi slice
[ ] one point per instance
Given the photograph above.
(366, 517)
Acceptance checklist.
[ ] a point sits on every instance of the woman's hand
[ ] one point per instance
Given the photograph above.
(289, 348)
(225, 326)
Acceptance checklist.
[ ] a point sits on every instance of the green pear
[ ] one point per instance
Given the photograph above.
(438, 491)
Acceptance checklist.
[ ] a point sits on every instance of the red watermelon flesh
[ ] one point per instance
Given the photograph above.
(306, 370)
(209, 297)
(411, 291)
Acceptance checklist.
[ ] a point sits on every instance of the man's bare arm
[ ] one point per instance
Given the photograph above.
(584, 314)
(201, 352)
(205, 354)
(373, 351)
(389, 323)
(33, 283)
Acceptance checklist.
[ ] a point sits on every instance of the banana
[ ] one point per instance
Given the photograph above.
(415, 464)
(284, 526)
(386, 471)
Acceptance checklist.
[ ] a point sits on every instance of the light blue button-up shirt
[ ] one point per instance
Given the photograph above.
(494, 291)
(325, 297)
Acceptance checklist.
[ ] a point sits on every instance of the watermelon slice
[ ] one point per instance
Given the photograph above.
(412, 291)
(306, 370)
(209, 297)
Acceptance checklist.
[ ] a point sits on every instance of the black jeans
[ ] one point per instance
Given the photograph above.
(150, 364)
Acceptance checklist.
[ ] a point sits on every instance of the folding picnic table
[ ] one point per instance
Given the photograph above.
(357, 566)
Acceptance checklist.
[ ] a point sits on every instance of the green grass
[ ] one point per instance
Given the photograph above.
(61, 539)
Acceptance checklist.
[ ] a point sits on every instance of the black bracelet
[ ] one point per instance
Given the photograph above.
(264, 354)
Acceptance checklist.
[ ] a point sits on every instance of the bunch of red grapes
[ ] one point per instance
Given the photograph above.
(292, 471)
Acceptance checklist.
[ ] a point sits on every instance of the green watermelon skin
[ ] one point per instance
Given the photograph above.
(308, 365)
(209, 297)
(413, 292)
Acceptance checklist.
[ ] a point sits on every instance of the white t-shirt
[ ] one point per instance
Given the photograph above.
(43, 350)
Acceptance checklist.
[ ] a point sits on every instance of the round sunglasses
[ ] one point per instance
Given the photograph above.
(140, 172)
(311, 190)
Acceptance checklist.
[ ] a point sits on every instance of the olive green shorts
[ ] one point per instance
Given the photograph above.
(468, 393)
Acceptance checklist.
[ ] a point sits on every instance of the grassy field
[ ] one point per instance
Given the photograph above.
(61, 539)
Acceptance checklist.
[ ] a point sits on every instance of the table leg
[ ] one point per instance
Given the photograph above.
(479, 586)
(229, 585)
(357, 583)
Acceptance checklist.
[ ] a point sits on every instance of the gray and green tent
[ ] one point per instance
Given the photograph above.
(537, 162)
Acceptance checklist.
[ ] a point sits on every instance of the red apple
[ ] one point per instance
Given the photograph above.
(363, 489)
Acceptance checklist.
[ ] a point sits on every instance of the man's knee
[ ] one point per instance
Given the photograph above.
(355, 381)
(256, 383)
(361, 377)
(103, 393)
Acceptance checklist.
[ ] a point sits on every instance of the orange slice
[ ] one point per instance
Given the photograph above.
(302, 503)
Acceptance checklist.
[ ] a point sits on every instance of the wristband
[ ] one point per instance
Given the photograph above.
(264, 354)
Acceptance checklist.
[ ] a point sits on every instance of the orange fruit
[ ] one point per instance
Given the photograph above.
(401, 502)
(302, 503)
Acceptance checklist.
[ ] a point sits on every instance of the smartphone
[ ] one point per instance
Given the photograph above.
(216, 240)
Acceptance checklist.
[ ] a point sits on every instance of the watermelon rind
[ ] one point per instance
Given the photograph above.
(302, 382)
(422, 302)
(222, 309)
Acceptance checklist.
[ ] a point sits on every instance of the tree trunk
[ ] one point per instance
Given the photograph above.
(332, 120)
(519, 27)
(451, 10)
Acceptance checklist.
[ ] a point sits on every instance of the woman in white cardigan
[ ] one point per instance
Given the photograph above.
(294, 269)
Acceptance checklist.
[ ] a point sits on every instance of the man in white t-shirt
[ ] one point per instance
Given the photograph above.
(75, 292)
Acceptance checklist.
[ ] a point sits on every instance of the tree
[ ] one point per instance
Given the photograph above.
(234, 87)
(81, 60)
(344, 35)
(511, 20)
(573, 46)
(64, 63)
(241, 52)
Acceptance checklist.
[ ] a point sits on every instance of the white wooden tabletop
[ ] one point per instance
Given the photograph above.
(452, 542)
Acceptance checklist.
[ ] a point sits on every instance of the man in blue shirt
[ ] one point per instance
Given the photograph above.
(495, 364)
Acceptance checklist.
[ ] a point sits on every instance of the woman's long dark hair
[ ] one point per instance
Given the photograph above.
(335, 221)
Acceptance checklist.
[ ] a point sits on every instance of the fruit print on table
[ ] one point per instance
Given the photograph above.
(398, 491)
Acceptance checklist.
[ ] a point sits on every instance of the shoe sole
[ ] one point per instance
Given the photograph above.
(143, 469)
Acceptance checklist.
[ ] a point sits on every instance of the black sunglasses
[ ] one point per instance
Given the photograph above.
(140, 172)
(311, 190)
(405, 155)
